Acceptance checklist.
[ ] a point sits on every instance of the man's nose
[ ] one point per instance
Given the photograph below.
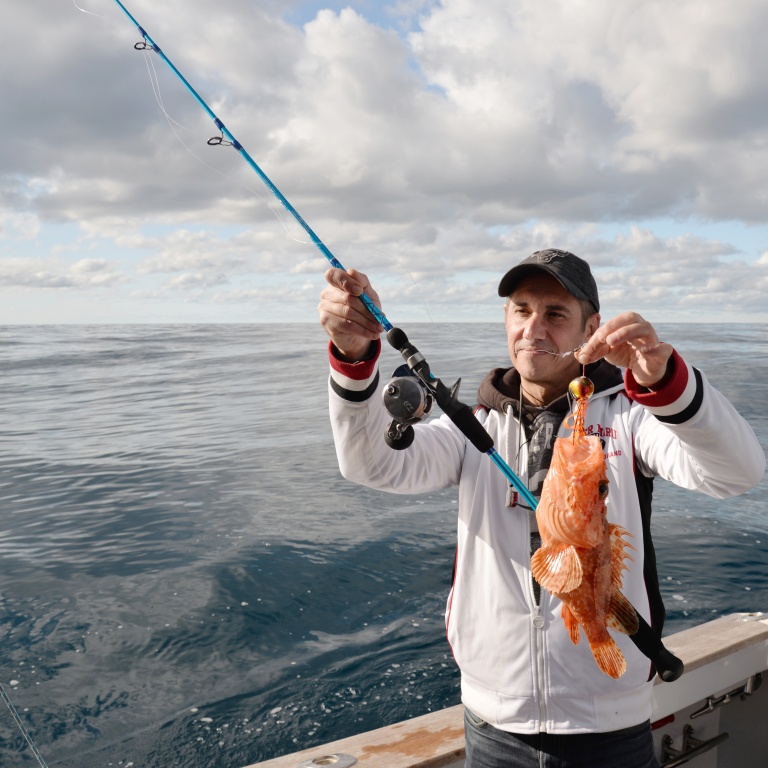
(534, 328)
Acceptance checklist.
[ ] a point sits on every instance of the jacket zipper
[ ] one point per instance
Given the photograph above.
(538, 623)
(538, 618)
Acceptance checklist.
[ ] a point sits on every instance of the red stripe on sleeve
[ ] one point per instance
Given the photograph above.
(670, 390)
(359, 371)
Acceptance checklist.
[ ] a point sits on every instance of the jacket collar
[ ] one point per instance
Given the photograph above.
(501, 387)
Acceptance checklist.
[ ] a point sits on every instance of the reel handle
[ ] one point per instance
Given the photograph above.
(398, 435)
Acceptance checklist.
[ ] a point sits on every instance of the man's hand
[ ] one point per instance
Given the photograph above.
(630, 342)
(344, 316)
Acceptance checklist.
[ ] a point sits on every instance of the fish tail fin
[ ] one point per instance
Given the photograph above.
(557, 568)
(621, 615)
(571, 624)
(609, 657)
(619, 554)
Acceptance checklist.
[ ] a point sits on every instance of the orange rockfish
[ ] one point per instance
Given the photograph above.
(582, 555)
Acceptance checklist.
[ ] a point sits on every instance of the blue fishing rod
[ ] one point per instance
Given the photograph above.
(446, 398)
(228, 139)
(400, 433)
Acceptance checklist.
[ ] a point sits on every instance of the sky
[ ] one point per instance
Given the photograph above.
(431, 145)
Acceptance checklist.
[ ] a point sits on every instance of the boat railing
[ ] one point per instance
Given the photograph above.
(717, 655)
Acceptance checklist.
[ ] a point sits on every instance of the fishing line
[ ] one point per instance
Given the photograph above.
(155, 84)
(276, 212)
(555, 354)
(90, 13)
(566, 354)
(226, 138)
(157, 93)
(24, 731)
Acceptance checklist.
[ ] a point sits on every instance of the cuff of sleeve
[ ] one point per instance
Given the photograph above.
(677, 399)
(355, 381)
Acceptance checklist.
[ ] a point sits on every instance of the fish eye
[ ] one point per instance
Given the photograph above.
(602, 489)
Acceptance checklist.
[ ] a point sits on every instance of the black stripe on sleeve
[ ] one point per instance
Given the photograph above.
(353, 396)
(692, 409)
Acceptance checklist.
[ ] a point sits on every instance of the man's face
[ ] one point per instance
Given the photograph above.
(541, 318)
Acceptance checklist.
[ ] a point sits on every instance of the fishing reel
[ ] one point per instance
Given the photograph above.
(409, 401)
(409, 397)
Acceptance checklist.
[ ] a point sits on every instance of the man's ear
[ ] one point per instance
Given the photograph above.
(592, 325)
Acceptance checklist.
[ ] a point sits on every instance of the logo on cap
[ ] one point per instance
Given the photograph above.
(544, 257)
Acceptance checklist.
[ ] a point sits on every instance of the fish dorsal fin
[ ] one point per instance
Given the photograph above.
(557, 568)
(619, 554)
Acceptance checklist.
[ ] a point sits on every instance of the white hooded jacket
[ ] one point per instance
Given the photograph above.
(519, 669)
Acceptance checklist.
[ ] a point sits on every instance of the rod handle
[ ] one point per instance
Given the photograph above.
(668, 666)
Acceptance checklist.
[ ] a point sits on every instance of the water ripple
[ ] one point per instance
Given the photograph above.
(186, 579)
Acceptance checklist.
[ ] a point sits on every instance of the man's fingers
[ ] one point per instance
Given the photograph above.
(628, 328)
(344, 313)
(641, 332)
(659, 346)
(355, 316)
(350, 281)
(593, 350)
(344, 316)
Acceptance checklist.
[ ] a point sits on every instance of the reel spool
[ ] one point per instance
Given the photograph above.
(408, 401)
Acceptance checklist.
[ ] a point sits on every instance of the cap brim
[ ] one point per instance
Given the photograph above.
(516, 274)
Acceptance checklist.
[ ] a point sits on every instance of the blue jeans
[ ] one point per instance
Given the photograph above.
(488, 747)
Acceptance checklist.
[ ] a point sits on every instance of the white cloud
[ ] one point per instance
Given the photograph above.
(449, 136)
(89, 266)
(18, 226)
(49, 273)
(195, 281)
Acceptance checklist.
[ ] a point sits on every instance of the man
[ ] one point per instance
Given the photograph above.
(531, 697)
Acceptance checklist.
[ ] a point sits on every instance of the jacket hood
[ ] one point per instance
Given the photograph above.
(501, 387)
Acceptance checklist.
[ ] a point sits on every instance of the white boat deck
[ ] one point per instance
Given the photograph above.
(718, 656)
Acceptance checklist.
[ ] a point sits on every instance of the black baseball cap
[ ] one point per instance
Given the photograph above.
(572, 272)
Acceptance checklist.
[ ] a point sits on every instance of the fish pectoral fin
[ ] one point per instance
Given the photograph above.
(609, 657)
(621, 615)
(571, 624)
(557, 567)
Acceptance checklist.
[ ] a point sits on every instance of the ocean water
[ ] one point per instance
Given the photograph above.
(186, 579)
